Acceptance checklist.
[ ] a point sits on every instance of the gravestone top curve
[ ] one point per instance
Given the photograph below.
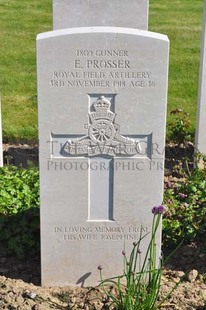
(99, 29)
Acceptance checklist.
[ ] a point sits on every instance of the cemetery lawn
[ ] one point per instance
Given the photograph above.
(22, 20)
(181, 20)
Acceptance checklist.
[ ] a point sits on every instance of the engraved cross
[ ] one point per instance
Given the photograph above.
(102, 143)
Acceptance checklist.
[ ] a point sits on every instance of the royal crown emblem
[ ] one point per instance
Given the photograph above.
(103, 135)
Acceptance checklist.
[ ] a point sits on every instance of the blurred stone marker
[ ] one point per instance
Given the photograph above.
(1, 146)
(89, 13)
(200, 139)
(102, 94)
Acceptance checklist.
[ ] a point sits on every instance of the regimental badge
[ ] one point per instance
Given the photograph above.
(103, 135)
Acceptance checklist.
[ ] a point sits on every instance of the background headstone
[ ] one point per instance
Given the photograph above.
(86, 13)
(200, 139)
(1, 147)
(102, 94)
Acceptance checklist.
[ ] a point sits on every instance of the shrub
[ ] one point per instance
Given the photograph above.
(19, 211)
(186, 209)
(179, 128)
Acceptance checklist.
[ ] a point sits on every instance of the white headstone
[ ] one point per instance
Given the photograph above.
(102, 94)
(86, 13)
(1, 147)
(200, 139)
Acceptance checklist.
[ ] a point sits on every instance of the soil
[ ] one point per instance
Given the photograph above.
(20, 286)
(20, 279)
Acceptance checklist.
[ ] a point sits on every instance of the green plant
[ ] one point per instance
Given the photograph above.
(179, 128)
(19, 189)
(138, 287)
(185, 205)
(19, 211)
(20, 233)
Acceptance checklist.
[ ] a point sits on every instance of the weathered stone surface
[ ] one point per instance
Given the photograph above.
(200, 139)
(86, 13)
(102, 107)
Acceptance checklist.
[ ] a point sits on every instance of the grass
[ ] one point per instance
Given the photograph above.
(20, 22)
(181, 20)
